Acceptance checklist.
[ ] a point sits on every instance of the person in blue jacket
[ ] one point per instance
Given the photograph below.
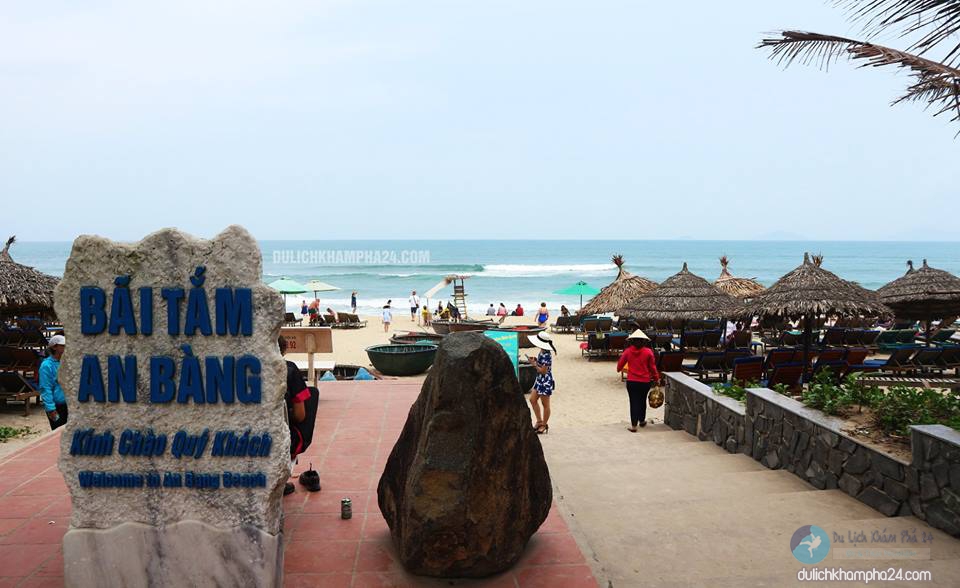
(54, 402)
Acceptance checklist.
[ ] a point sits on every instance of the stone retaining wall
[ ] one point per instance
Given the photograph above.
(694, 407)
(780, 432)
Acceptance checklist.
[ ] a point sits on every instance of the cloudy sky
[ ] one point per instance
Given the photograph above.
(445, 119)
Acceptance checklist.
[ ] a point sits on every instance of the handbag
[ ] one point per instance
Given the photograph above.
(656, 397)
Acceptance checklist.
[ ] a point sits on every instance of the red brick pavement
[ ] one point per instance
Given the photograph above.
(357, 426)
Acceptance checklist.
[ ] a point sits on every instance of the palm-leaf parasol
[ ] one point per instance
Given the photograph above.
(734, 286)
(22, 288)
(810, 291)
(618, 293)
(683, 296)
(925, 294)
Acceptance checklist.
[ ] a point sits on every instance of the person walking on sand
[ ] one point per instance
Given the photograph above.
(303, 308)
(544, 385)
(353, 302)
(387, 317)
(641, 366)
(425, 315)
(414, 301)
(51, 394)
(543, 315)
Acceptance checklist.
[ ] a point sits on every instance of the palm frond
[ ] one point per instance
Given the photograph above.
(934, 20)
(936, 83)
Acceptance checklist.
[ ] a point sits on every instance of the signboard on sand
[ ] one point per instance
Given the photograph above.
(510, 343)
(177, 448)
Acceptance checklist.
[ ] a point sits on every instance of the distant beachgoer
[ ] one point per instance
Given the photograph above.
(543, 315)
(425, 315)
(439, 308)
(414, 301)
(314, 311)
(303, 307)
(454, 312)
(544, 385)
(51, 394)
(641, 366)
(491, 310)
(518, 311)
(296, 395)
(444, 314)
(333, 313)
(564, 311)
(353, 302)
(502, 311)
(387, 317)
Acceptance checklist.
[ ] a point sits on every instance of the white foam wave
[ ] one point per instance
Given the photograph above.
(506, 270)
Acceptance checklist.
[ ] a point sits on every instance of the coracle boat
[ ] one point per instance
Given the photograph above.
(402, 360)
(415, 337)
(523, 332)
(442, 327)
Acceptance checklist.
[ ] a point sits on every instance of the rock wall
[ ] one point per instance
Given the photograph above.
(781, 432)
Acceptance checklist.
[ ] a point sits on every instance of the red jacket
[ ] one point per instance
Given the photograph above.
(641, 365)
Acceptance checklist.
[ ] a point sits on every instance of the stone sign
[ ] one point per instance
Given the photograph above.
(177, 448)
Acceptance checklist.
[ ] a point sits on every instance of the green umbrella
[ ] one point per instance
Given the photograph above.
(318, 286)
(287, 286)
(581, 289)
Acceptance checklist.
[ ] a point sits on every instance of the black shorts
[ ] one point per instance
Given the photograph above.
(413, 310)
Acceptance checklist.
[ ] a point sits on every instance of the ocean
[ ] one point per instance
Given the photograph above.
(528, 272)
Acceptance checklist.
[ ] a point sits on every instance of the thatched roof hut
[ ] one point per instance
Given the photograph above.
(683, 296)
(23, 289)
(923, 294)
(734, 286)
(618, 293)
(810, 291)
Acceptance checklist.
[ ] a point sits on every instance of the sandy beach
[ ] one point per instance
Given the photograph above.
(588, 392)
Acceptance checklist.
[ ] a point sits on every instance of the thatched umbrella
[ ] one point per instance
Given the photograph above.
(810, 291)
(925, 294)
(734, 286)
(618, 293)
(22, 288)
(683, 296)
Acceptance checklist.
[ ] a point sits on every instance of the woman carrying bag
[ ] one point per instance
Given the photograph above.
(641, 366)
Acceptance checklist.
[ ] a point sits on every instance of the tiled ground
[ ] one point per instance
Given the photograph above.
(357, 425)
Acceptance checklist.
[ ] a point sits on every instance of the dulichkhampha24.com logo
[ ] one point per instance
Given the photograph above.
(810, 544)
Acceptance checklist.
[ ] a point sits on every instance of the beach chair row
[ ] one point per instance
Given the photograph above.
(14, 386)
(715, 365)
(16, 337)
(604, 345)
(18, 359)
(344, 320)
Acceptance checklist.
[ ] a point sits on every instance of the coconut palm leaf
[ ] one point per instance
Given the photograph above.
(936, 83)
(934, 21)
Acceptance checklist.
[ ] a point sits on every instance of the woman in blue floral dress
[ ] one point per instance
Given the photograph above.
(544, 385)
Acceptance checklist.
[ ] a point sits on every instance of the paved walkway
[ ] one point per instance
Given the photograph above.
(660, 508)
(356, 429)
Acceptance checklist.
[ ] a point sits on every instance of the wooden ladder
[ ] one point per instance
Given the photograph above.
(460, 297)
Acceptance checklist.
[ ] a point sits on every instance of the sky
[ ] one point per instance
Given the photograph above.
(340, 119)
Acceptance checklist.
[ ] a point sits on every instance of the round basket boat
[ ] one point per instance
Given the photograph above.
(415, 337)
(402, 360)
(523, 332)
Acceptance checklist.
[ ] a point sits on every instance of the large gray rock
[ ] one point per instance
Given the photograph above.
(227, 520)
(466, 484)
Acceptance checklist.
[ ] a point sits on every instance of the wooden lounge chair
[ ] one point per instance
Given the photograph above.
(596, 346)
(785, 373)
(887, 339)
(856, 355)
(881, 379)
(616, 343)
(661, 340)
(868, 338)
(777, 357)
(950, 359)
(710, 362)
(691, 340)
(587, 325)
(731, 355)
(837, 369)
(834, 337)
(746, 370)
(670, 361)
(711, 339)
(926, 359)
(14, 386)
(898, 361)
(742, 338)
(290, 320)
(7, 360)
(564, 324)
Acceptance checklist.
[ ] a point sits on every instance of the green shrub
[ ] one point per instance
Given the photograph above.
(824, 394)
(903, 406)
(7, 433)
(735, 391)
(782, 389)
(859, 393)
